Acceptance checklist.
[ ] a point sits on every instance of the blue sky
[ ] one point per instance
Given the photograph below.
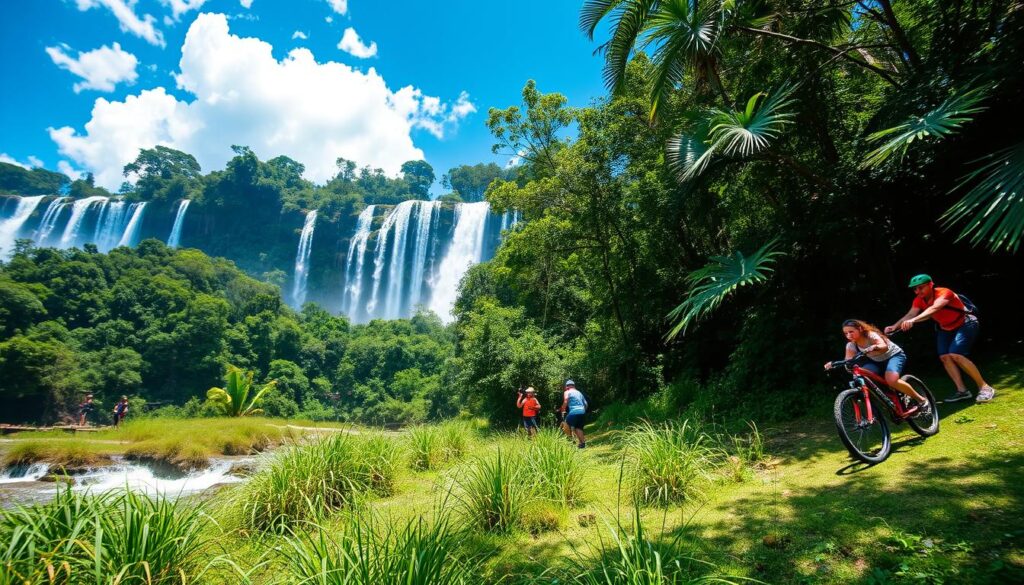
(234, 78)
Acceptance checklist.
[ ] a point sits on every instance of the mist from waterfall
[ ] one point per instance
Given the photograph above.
(179, 221)
(10, 227)
(301, 274)
(465, 250)
(49, 221)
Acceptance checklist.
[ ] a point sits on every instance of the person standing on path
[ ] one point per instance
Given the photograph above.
(574, 407)
(956, 328)
(85, 409)
(120, 410)
(531, 407)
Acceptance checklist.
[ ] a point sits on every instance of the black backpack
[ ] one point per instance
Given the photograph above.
(969, 307)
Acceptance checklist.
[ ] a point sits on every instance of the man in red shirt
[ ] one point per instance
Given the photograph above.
(531, 406)
(956, 331)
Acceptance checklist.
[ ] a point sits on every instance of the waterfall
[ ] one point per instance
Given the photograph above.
(379, 259)
(301, 275)
(419, 261)
(465, 250)
(354, 262)
(396, 272)
(131, 231)
(49, 220)
(179, 221)
(10, 227)
(74, 225)
(110, 224)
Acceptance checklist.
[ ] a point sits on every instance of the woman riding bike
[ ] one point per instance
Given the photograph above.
(885, 356)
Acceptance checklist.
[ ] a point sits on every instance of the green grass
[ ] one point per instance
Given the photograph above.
(671, 462)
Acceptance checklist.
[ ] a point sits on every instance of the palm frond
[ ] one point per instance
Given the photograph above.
(686, 36)
(993, 209)
(690, 153)
(593, 12)
(752, 130)
(755, 14)
(713, 283)
(628, 24)
(938, 123)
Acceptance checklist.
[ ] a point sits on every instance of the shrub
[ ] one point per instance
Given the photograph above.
(305, 483)
(416, 553)
(669, 462)
(122, 537)
(555, 468)
(425, 448)
(491, 492)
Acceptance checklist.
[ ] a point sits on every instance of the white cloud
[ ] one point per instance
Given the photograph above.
(72, 173)
(101, 69)
(339, 6)
(245, 3)
(353, 45)
(124, 11)
(313, 112)
(300, 35)
(179, 7)
(32, 161)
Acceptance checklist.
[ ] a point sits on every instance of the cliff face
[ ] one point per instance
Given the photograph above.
(414, 254)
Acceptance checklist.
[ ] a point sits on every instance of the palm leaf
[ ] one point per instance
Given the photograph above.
(993, 209)
(713, 283)
(593, 12)
(938, 123)
(689, 154)
(686, 35)
(628, 25)
(752, 130)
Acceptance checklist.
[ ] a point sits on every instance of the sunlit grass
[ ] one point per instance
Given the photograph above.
(670, 462)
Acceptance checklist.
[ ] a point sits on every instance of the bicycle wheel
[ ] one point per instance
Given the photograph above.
(868, 441)
(925, 426)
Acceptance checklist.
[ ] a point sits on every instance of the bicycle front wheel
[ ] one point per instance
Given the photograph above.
(866, 438)
(925, 426)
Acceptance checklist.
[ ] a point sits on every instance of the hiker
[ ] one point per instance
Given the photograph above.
(885, 358)
(956, 328)
(574, 406)
(85, 409)
(531, 406)
(120, 410)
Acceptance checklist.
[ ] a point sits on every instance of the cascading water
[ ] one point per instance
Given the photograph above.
(49, 220)
(379, 261)
(465, 250)
(10, 227)
(131, 231)
(179, 220)
(302, 259)
(110, 225)
(396, 272)
(354, 262)
(74, 225)
(419, 261)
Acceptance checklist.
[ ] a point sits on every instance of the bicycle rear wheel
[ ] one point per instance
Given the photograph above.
(925, 426)
(868, 441)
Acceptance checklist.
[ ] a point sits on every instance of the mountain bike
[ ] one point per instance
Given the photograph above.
(859, 420)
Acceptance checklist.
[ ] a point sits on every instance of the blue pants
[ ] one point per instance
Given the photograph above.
(958, 341)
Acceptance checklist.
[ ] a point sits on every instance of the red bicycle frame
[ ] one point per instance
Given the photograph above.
(882, 390)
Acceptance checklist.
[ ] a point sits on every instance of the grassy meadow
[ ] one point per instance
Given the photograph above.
(672, 502)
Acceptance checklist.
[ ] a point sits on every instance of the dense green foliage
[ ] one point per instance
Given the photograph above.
(841, 133)
(163, 324)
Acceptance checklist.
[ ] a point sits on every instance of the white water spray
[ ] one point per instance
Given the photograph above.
(74, 225)
(179, 220)
(354, 262)
(49, 220)
(419, 261)
(131, 232)
(465, 250)
(301, 275)
(10, 227)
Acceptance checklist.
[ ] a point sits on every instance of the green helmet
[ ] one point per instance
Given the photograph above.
(919, 279)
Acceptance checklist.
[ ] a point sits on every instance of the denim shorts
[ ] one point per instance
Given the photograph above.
(960, 340)
(575, 421)
(893, 364)
(529, 422)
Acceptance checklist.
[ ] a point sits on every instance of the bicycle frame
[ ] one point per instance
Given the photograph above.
(871, 383)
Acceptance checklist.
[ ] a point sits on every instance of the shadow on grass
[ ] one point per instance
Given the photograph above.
(953, 523)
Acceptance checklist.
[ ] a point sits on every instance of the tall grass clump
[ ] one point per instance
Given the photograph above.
(670, 462)
(305, 482)
(555, 468)
(432, 447)
(633, 558)
(122, 537)
(364, 553)
(380, 457)
(492, 493)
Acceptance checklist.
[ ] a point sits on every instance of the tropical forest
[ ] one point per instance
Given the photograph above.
(274, 322)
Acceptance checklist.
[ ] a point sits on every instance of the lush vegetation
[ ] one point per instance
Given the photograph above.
(164, 324)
